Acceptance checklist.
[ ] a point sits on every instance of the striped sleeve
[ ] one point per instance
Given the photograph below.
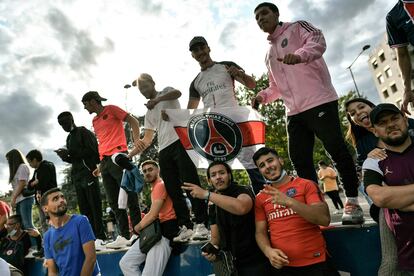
(372, 174)
(313, 42)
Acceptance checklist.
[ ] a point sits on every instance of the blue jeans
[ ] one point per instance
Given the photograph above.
(361, 189)
(24, 209)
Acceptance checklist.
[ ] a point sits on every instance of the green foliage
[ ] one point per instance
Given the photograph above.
(273, 115)
(68, 189)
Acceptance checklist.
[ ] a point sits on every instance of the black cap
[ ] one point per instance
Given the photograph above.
(92, 95)
(197, 40)
(376, 111)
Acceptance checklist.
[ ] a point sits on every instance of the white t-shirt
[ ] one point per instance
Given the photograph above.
(22, 173)
(215, 86)
(153, 120)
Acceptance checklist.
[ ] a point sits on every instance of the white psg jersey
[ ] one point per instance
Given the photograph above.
(215, 86)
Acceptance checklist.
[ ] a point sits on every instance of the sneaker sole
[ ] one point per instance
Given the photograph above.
(353, 222)
(116, 247)
(185, 239)
(200, 238)
(181, 241)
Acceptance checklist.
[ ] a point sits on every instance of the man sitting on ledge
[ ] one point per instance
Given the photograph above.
(161, 208)
(231, 220)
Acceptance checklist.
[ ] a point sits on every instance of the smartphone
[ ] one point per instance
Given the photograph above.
(209, 248)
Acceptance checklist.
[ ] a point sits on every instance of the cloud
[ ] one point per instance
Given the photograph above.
(78, 44)
(5, 38)
(23, 119)
(346, 29)
(227, 36)
(150, 7)
(72, 102)
(39, 61)
(54, 51)
(333, 11)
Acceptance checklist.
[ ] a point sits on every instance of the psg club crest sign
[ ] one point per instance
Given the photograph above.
(215, 136)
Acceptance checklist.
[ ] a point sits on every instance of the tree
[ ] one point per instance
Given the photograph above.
(273, 115)
(68, 189)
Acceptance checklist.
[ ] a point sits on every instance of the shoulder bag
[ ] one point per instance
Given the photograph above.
(149, 236)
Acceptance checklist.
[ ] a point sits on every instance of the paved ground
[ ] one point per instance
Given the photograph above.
(337, 217)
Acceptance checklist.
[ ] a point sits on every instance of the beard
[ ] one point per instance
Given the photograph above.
(397, 141)
(277, 178)
(150, 179)
(60, 212)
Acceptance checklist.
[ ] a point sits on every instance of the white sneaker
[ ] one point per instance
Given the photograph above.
(132, 239)
(201, 232)
(120, 242)
(184, 234)
(30, 253)
(99, 245)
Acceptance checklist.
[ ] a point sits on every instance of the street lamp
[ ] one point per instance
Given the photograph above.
(350, 70)
(126, 86)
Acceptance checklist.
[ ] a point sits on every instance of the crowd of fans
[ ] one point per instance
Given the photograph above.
(271, 227)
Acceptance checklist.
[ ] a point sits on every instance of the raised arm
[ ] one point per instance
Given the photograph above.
(313, 42)
(193, 103)
(239, 75)
(316, 213)
(240, 205)
(404, 62)
(194, 96)
(172, 94)
(133, 122)
(143, 143)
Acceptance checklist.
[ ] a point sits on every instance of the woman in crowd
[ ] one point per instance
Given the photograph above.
(19, 177)
(360, 134)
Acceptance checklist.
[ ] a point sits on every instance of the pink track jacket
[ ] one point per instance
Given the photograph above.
(301, 86)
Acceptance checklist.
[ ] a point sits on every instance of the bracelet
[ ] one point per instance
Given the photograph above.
(208, 196)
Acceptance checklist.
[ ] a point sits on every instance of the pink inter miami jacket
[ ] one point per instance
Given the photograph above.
(301, 86)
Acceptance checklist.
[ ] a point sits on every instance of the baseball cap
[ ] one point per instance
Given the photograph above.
(197, 40)
(92, 95)
(376, 111)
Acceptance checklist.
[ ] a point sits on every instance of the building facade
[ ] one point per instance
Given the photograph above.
(386, 73)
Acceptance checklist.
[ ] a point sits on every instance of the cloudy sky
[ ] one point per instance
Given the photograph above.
(52, 52)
